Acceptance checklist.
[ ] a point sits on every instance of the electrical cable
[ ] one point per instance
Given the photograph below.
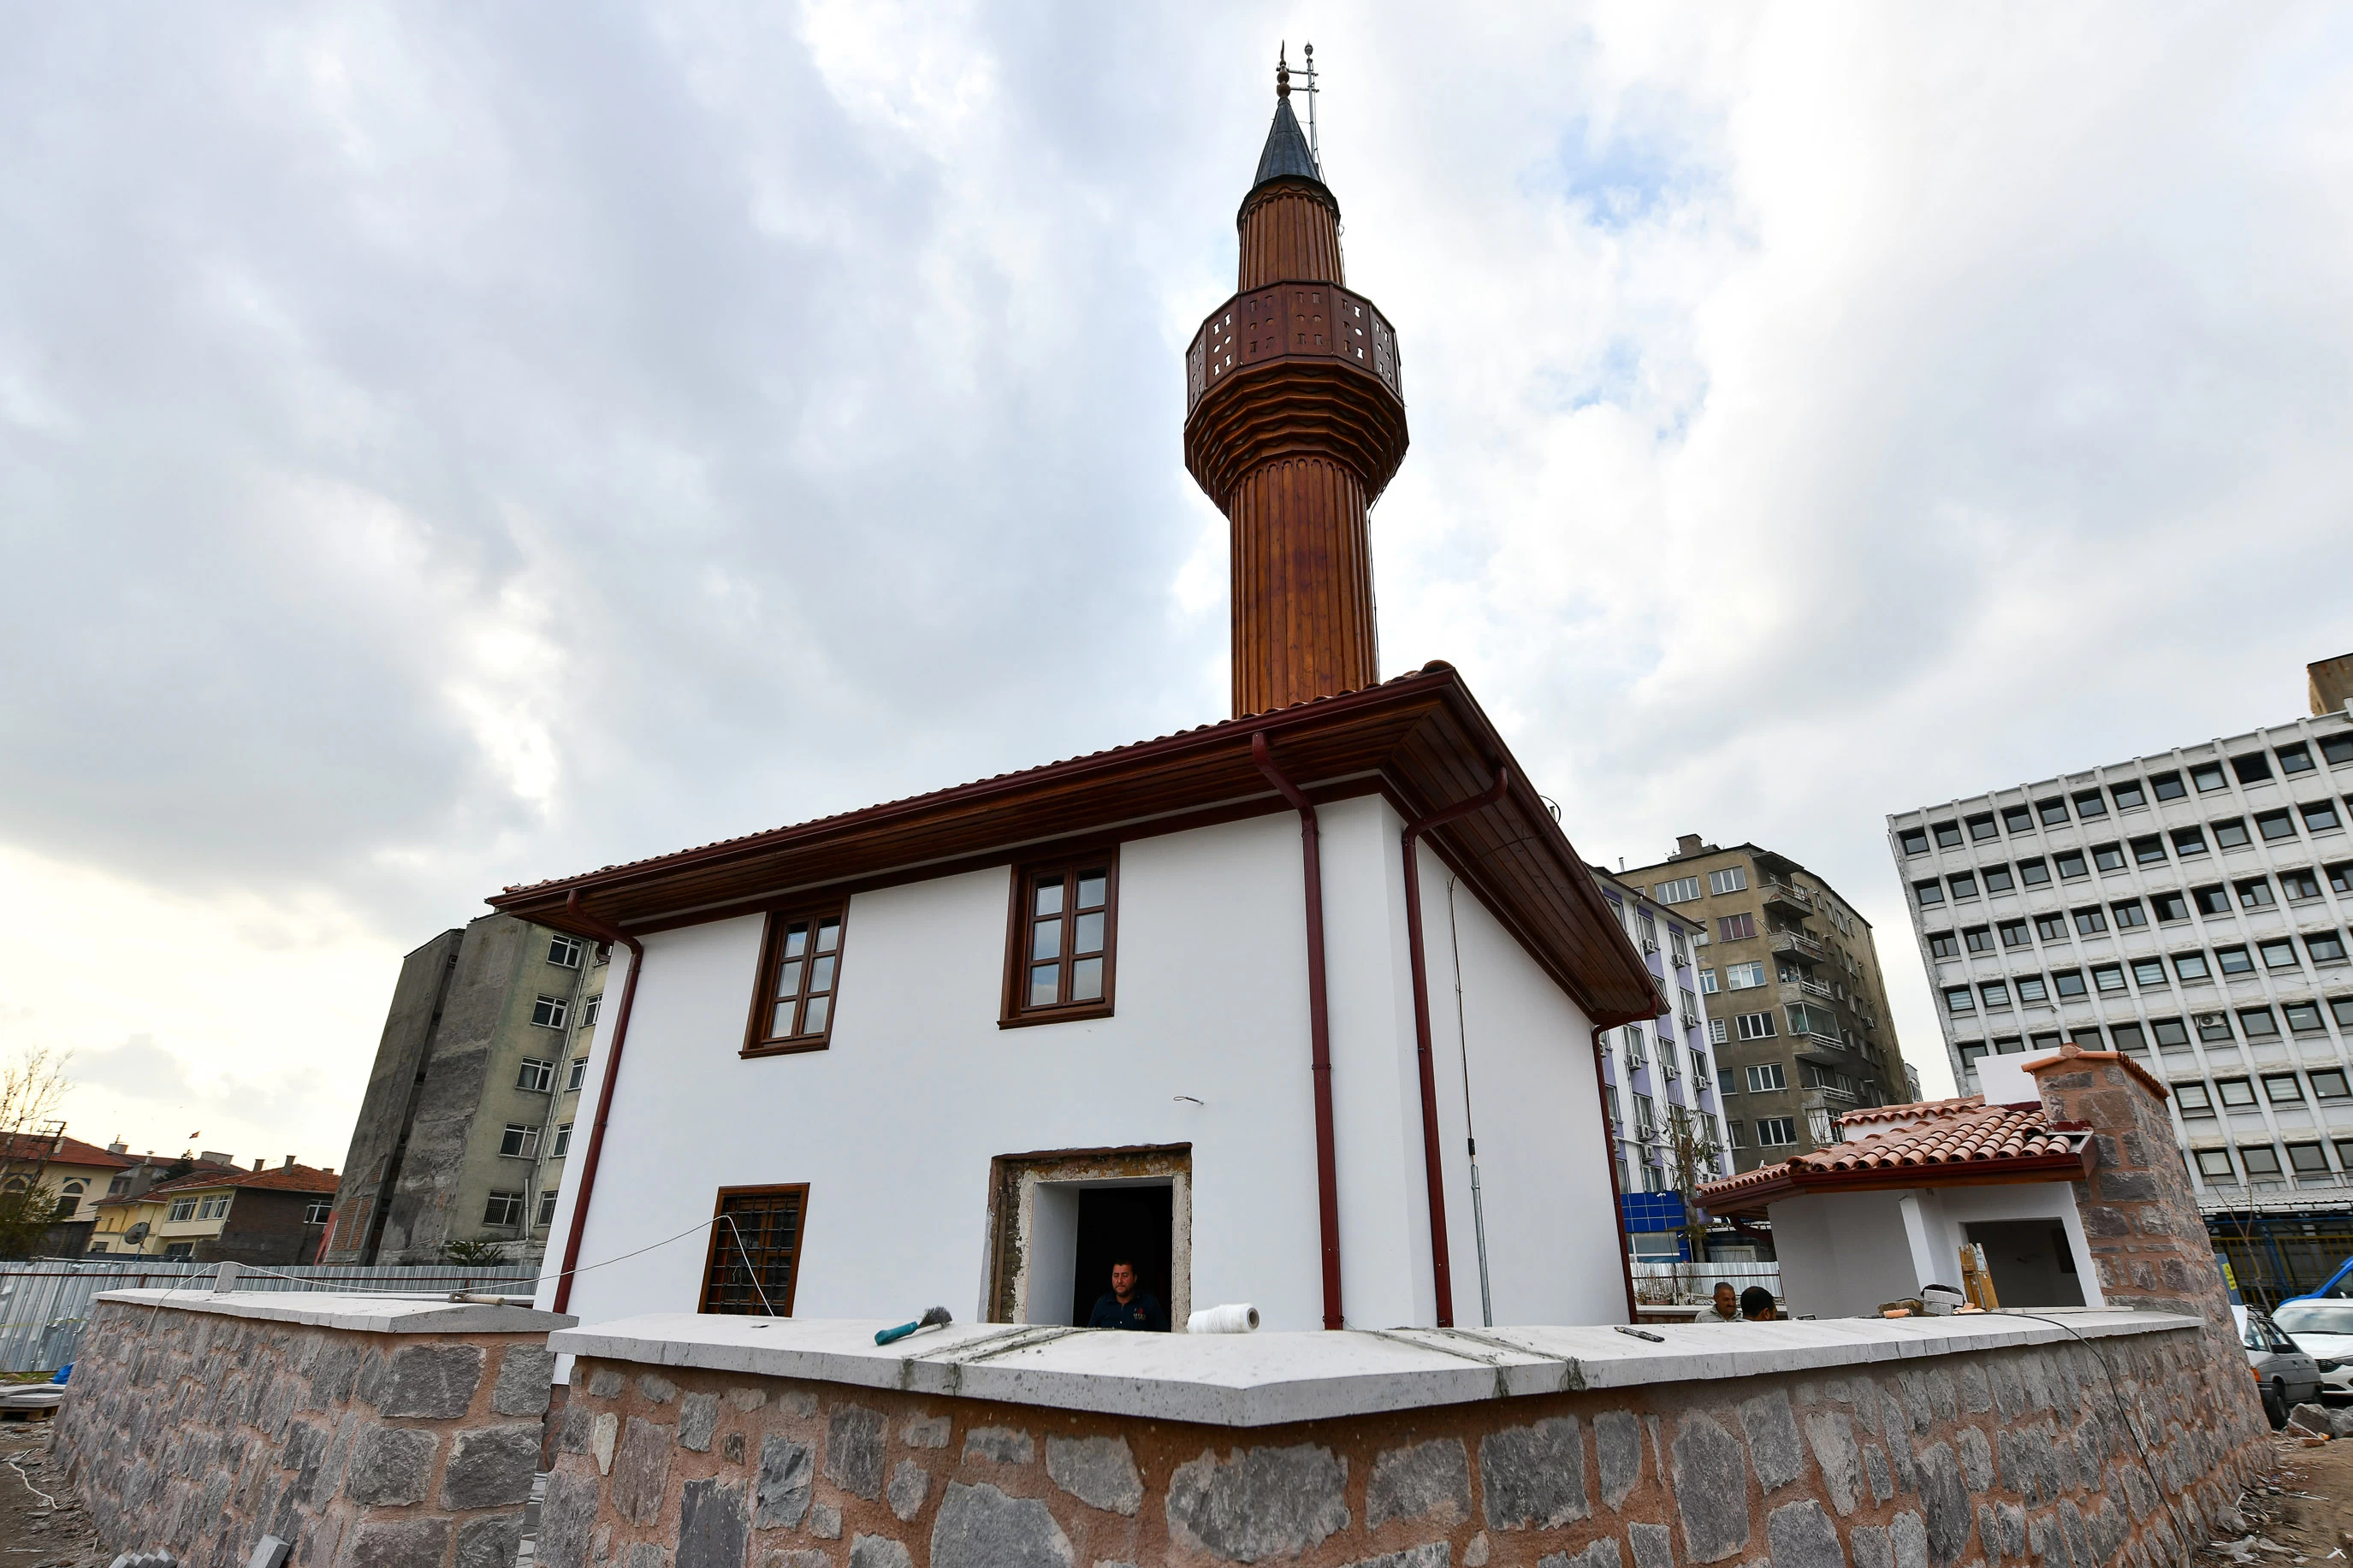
(2188, 1546)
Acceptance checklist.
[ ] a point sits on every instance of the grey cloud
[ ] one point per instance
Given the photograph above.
(442, 447)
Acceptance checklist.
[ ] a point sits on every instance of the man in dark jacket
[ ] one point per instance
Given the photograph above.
(1127, 1307)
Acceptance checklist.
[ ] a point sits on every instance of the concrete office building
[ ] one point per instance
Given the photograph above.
(1798, 1011)
(2188, 909)
(468, 1117)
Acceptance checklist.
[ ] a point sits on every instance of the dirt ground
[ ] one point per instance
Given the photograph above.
(41, 1524)
(2303, 1513)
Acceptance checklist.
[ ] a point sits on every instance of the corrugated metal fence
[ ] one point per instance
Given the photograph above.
(44, 1304)
(1660, 1283)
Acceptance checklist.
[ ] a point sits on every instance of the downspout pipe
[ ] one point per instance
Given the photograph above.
(596, 1150)
(1609, 1151)
(1319, 1029)
(1441, 1272)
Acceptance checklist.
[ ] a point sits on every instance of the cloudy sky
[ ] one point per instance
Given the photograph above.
(447, 445)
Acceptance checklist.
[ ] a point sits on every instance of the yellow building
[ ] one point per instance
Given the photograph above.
(77, 1174)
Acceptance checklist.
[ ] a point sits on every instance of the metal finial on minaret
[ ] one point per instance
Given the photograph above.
(1281, 71)
(1313, 150)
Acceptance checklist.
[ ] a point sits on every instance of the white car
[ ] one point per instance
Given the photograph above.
(2324, 1329)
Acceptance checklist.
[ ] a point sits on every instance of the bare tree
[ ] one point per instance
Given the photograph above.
(1693, 1157)
(32, 1087)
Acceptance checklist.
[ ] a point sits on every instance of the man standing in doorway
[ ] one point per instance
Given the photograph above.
(1127, 1307)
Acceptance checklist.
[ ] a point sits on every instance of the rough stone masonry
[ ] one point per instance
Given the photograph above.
(194, 1429)
(2068, 1454)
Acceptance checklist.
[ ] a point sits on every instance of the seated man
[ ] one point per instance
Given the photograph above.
(1756, 1305)
(1127, 1307)
(1727, 1308)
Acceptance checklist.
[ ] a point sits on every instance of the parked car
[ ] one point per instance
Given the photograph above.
(2338, 1287)
(2324, 1328)
(2289, 1377)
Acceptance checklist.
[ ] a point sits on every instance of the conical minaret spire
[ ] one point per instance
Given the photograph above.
(1296, 423)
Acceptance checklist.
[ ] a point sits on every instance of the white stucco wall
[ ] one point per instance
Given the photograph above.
(895, 1125)
(1843, 1253)
(1552, 1245)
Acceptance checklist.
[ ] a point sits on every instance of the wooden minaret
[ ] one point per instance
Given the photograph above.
(1295, 423)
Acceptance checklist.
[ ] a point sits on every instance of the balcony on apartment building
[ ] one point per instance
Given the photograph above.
(1790, 942)
(1793, 900)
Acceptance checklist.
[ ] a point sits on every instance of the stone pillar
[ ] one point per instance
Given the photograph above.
(2147, 1239)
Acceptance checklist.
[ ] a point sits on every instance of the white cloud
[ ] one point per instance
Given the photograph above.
(447, 448)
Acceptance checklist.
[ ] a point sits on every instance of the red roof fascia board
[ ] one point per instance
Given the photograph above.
(1787, 1184)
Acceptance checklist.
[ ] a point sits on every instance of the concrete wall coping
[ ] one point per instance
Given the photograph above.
(357, 1313)
(1267, 1379)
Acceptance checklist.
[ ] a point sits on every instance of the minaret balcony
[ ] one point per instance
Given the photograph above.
(1294, 320)
(1293, 369)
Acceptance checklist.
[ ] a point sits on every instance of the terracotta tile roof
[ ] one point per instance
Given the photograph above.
(1956, 1141)
(277, 1179)
(62, 1152)
(1915, 1110)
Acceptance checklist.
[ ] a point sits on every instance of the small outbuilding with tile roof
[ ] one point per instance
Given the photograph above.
(1887, 1211)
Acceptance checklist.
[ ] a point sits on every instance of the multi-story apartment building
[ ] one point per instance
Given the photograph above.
(462, 1136)
(1798, 1015)
(1666, 1118)
(2188, 909)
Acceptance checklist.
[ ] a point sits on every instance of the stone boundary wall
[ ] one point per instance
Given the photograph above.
(199, 1424)
(1981, 1457)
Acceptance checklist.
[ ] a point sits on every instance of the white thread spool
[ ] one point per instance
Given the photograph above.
(1239, 1318)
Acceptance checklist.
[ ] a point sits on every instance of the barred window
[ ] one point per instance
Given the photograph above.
(755, 1250)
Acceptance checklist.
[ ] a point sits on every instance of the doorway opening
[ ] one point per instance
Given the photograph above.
(1125, 1222)
(1057, 1222)
(2030, 1260)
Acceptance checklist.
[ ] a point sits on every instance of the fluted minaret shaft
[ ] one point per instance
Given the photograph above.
(1290, 229)
(1296, 424)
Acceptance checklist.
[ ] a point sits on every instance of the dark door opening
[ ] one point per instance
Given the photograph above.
(2031, 1264)
(1133, 1222)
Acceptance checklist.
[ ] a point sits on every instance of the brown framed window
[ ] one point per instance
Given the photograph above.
(755, 1250)
(1061, 941)
(800, 975)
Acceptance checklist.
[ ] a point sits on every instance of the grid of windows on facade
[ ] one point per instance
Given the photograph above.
(2100, 805)
(2136, 1036)
(212, 1207)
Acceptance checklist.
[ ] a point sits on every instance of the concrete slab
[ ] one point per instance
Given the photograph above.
(361, 1314)
(1267, 1379)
